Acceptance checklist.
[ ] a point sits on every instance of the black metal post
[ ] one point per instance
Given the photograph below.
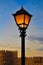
(23, 46)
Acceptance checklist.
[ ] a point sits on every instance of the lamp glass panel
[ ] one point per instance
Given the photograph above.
(27, 19)
(19, 18)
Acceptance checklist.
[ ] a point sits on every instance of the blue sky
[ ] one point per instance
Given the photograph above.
(9, 34)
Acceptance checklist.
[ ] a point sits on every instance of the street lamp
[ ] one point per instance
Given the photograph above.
(22, 19)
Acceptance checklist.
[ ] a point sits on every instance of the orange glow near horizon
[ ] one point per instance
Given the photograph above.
(30, 53)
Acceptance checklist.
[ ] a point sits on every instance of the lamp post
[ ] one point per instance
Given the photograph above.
(22, 19)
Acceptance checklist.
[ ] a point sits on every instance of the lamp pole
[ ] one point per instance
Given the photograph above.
(22, 19)
(23, 31)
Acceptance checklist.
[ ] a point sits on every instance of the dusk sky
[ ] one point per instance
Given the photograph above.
(9, 33)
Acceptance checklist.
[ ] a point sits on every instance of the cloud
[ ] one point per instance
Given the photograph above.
(40, 49)
(37, 38)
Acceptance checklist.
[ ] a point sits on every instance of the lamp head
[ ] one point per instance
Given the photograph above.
(22, 18)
